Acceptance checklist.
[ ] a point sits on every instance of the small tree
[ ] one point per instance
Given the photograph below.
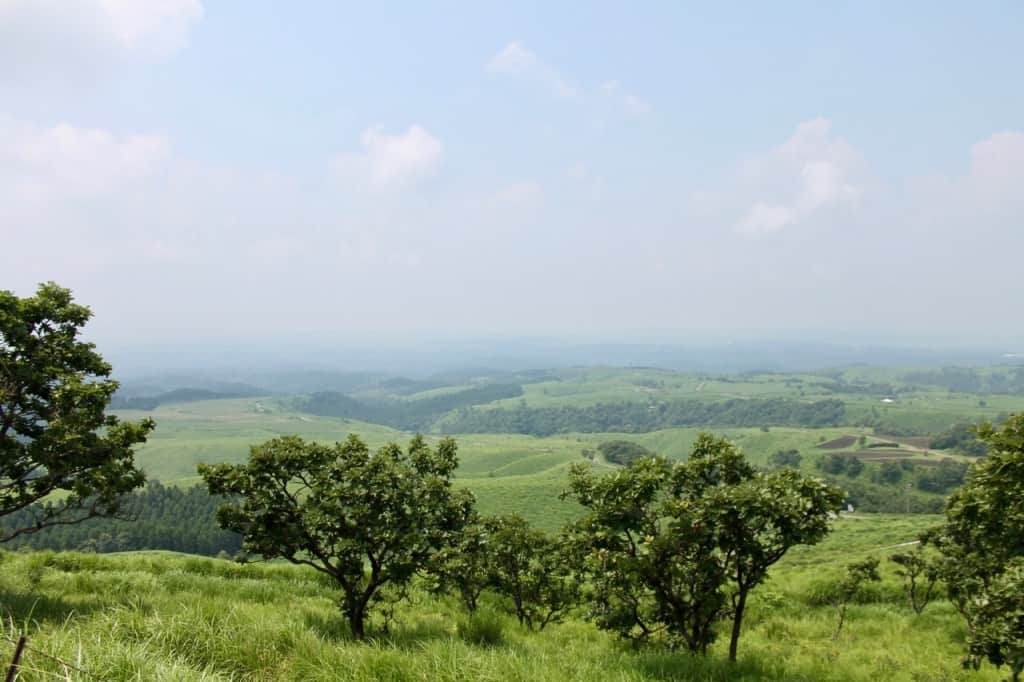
(55, 436)
(529, 568)
(648, 562)
(465, 567)
(342, 510)
(758, 517)
(857, 574)
(919, 577)
(667, 545)
(785, 458)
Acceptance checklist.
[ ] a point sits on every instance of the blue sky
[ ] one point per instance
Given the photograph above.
(207, 168)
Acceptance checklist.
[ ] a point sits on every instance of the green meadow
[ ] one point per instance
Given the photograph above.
(162, 616)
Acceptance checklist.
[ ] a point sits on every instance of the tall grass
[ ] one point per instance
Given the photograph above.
(160, 616)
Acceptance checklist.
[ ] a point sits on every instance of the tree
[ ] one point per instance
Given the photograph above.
(982, 547)
(670, 547)
(919, 577)
(857, 573)
(341, 510)
(529, 567)
(785, 458)
(758, 516)
(648, 563)
(55, 435)
(890, 472)
(622, 452)
(464, 567)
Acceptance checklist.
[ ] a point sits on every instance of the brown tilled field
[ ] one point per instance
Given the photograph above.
(922, 442)
(838, 443)
(879, 456)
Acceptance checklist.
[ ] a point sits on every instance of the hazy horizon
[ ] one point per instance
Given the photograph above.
(229, 172)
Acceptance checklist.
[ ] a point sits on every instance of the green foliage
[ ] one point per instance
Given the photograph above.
(982, 546)
(410, 415)
(673, 548)
(785, 458)
(159, 517)
(622, 452)
(919, 573)
(997, 621)
(482, 628)
(632, 417)
(341, 508)
(529, 568)
(840, 463)
(889, 473)
(649, 569)
(55, 436)
(160, 616)
(465, 567)
(962, 437)
(948, 474)
(971, 380)
(857, 575)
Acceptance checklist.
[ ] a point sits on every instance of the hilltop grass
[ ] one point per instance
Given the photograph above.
(156, 615)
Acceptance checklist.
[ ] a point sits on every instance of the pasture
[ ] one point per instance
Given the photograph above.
(157, 615)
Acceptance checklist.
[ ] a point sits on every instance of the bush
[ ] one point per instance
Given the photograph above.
(483, 628)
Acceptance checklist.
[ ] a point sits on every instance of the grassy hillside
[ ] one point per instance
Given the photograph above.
(148, 616)
(507, 472)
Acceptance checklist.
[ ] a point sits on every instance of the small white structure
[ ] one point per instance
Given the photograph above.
(888, 400)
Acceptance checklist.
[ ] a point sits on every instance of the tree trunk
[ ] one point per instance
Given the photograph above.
(356, 617)
(737, 623)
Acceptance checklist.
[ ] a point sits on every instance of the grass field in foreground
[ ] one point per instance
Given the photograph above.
(159, 616)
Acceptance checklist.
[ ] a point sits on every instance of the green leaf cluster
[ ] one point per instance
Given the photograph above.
(55, 434)
(669, 550)
(366, 519)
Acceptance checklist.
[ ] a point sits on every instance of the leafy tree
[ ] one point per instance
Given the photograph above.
(962, 437)
(758, 517)
(890, 473)
(623, 452)
(529, 568)
(649, 565)
(982, 546)
(919, 577)
(674, 548)
(785, 458)
(55, 435)
(947, 475)
(997, 631)
(465, 567)
(857, 573)
(341, 509)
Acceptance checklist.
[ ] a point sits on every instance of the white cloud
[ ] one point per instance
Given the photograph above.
(516, 60)
(71, 38)
(812, 172)
(997, 167)
(389, 161)
(156, 25)
(630, 103)
(519, 194)
(40, 164)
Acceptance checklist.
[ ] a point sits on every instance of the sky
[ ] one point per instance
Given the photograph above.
(230, 169)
